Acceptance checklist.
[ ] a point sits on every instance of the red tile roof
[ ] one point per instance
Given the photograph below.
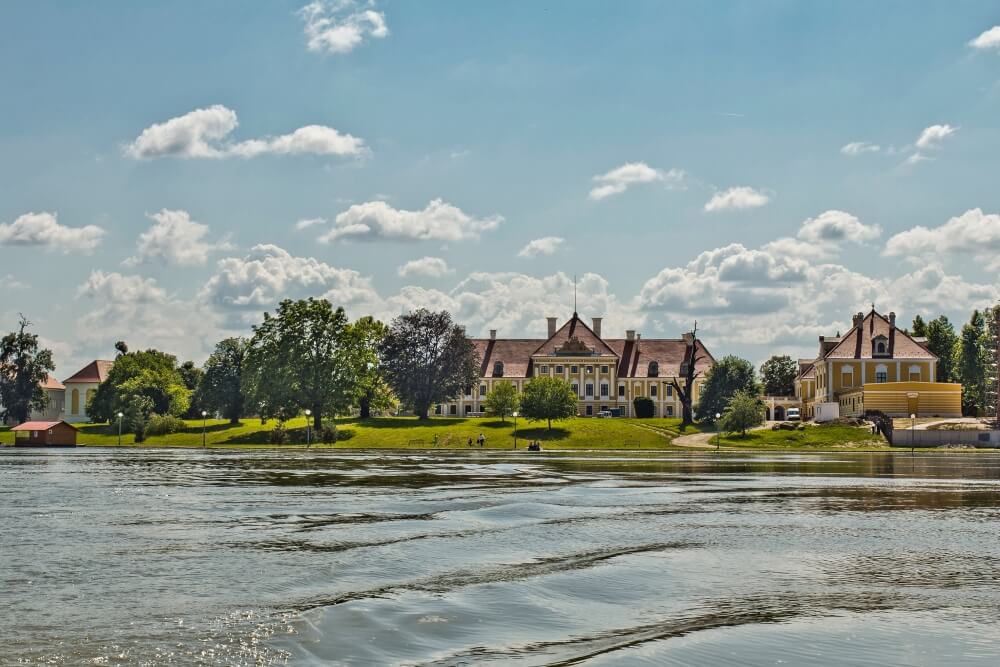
(39, 426)
(858, 343)
(515, 353)
(95, 371)
(668, 353)
(574, 328)
(51, 383)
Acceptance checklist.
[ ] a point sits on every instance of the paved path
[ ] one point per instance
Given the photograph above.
(696, 440)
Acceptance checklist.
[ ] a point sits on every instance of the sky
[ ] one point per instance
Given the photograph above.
(766, 168)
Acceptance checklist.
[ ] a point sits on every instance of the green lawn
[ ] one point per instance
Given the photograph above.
(823, 436)
(408, 432)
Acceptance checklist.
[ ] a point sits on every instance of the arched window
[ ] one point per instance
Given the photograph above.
(498, 369)
(654, 369)
(74, 402)
(881, 374)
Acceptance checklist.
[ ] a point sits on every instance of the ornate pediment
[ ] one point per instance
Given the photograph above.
(574, 346)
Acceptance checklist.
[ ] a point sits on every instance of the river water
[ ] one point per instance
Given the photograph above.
(184, 557)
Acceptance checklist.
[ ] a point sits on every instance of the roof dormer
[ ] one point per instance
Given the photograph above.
(880, 346)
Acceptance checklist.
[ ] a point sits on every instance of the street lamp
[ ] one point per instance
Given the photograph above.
(120, 415)
(204, 424)
(308, 433)
(514, 415)
(718, 431)
(913, 421)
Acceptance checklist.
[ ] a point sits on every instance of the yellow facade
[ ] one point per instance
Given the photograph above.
(901, 399)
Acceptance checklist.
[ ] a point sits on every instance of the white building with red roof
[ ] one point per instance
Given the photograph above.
(606, 373)
(81, 386)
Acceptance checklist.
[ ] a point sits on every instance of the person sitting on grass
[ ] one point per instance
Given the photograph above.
(470, 441)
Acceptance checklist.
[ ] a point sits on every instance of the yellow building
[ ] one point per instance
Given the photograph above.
(606, 373)
(874, 366)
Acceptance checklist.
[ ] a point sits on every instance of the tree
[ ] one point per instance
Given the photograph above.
(374, 393)
(192, 375)
(643, 407)
(221, 387)
(121, 347)
(426, 358)
(23, 369)
(919, 327)
(149, 374)
(723, 380)
(970, 364)
(502, 400)
(689, 372)
(548, 398)
(302, 357)
(941, 341)
(778, 374)
(745, 410)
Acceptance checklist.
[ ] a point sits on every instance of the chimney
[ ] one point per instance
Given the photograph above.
(493, 334)
(597, 325)
(892, 320)
(630, 334)
(552, 326)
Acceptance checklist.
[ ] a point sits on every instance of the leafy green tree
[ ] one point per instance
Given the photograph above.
(374, 393)
(23, 369)
(778, 374)
(426, 358)
(502, 400)
(121, 347)
(744, 411)
(919, 327)
(302, 357)
(726, 377)
(941, 340)
(970, 363)
(192, 376)
(547, 399)
(151, 374)
(221, 387)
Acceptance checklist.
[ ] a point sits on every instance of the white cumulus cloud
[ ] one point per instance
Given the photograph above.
(621, 178)
(933, 135)
(972, 234)
(737, 198)
(546, 245)
(856, 148)
(340, 26)
(174, 239)
(988, 39)
(430, 267)
(837, 227)
(203, 133)
(44, 230)
(439, 221)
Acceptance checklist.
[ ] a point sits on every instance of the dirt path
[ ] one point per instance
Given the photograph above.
(696, 441)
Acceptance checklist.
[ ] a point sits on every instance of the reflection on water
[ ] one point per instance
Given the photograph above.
(223, 557)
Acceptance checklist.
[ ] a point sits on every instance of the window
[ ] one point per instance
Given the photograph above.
(543, 369)
(437, 409)
(652, 391)
(637, 390)
(847, 377)
(880, 346)
(482, 391)
(881, 374)
(604, 369)
(576, 388)
(468, 409)
(590, 370)
(590, 410)
(605, 390)
(590, 389)
(670, 411)
(684, 368)
(653, 370)
(559, 369)
(453, 409)
(468, 392)
(498, 369)
(670, 390)
(574, 369)
(914, 373)
(621, 391)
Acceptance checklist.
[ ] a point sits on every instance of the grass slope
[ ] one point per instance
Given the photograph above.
(408, 432)
(823, 436)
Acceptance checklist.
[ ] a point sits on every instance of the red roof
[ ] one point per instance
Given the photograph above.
(859, 342)
(514, 353)
(95, 371)
(575, 328)
(668, 353)
(40, 426)
(51, 383)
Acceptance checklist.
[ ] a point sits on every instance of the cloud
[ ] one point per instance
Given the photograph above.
(43, 230)
(989, 39)
(340, 26)
(243, 287)
(174, 239)
(309, 222)
(737, 198)
(202, 133)
(621, 178)
(932, 136)
(10, 282)
(972, 234)
(546, 245)
(439, 221)
(837, 227)
(917, 158)
(856, 148)
(431, 267)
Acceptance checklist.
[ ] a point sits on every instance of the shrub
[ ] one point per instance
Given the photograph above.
(328, 434)
(278, 435)
(164, 425)
(643, 406)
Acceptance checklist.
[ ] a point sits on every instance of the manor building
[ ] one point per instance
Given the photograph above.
(874, 366)
(606, 373)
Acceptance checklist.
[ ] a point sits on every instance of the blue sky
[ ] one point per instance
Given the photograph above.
(431, 143)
